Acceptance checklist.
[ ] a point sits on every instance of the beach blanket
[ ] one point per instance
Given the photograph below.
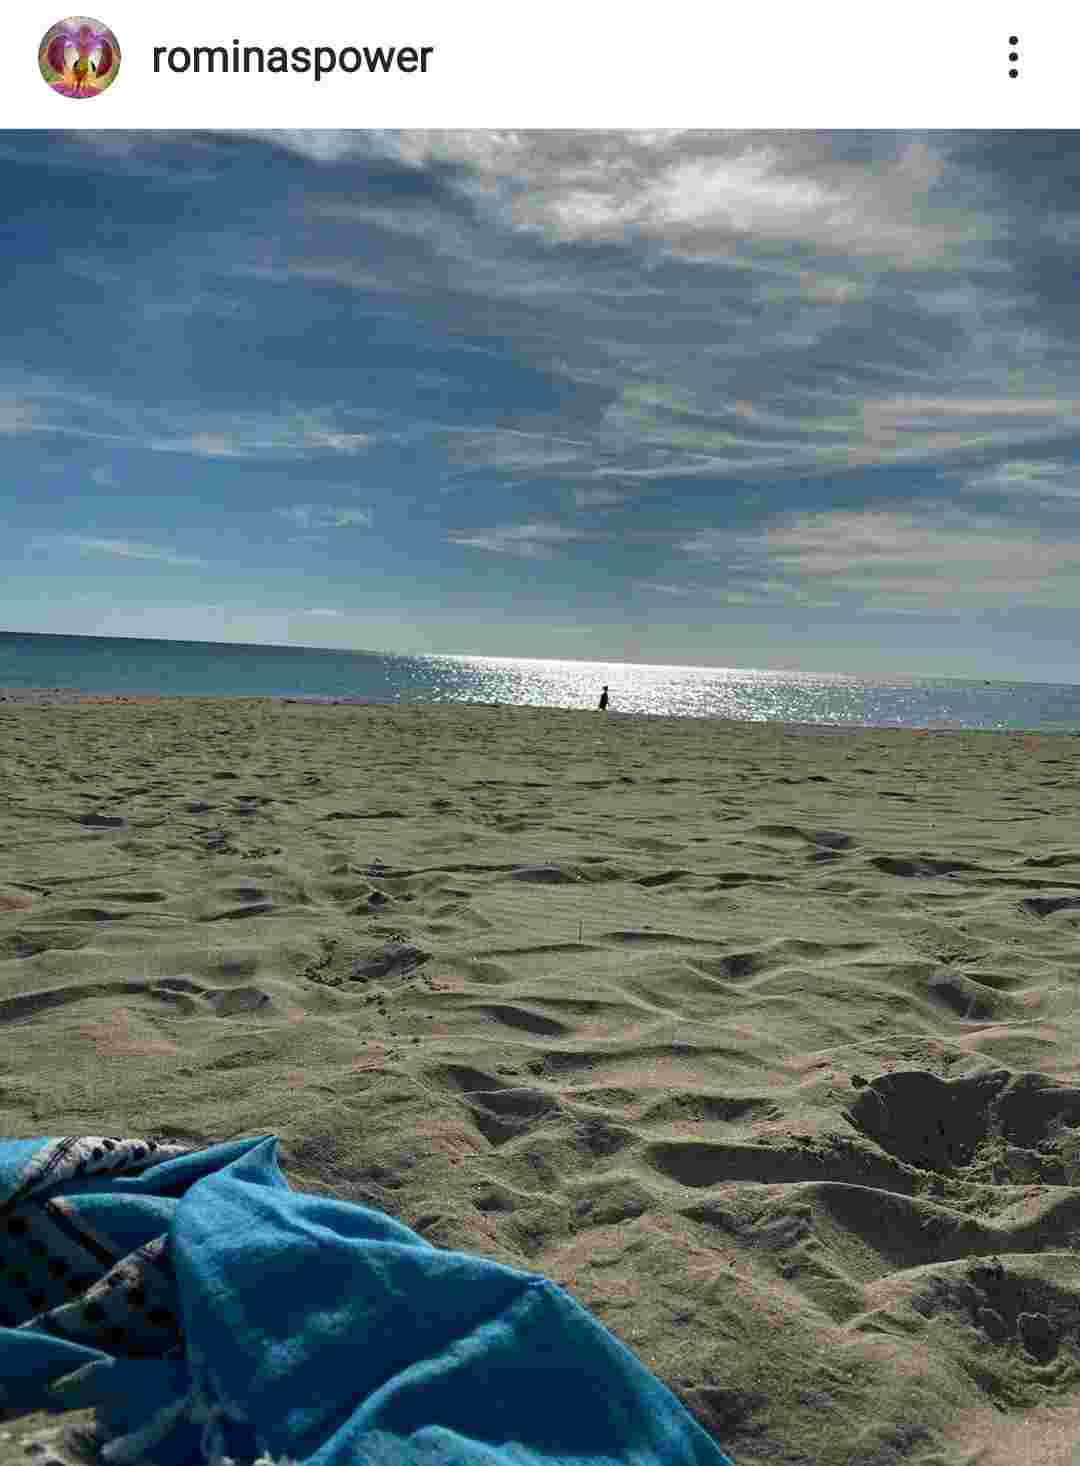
(209, 1313)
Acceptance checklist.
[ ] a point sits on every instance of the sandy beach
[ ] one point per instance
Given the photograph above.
(762, 1041)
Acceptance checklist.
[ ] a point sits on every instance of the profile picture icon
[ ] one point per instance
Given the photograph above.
(79, 57)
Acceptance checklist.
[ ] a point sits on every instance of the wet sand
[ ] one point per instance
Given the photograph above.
(762, 1042)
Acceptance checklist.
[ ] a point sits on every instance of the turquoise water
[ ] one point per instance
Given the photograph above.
(194, 668)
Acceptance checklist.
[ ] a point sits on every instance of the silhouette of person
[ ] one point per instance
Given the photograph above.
(604, 699)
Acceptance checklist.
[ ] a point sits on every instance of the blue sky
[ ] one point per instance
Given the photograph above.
(799, 399)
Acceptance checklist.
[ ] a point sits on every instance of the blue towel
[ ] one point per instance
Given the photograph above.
(211, 1314)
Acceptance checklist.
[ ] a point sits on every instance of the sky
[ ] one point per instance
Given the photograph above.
(794, 400)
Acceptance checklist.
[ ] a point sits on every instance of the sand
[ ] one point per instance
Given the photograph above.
(760, 1040)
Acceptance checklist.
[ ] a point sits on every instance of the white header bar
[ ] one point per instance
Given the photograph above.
(234, 64)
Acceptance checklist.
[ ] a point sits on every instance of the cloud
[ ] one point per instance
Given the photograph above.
(338, 442)
(275, 435)
(699, 194)
(752, 306)
(782, 353)
(514, 451)
(665, 588)
(16, 417)
(1027, 480)
(600, 498)
(534, 541)
(740, 304)
(318, 516)
(127, 550)
(934, 425)
(213, 445)
(934, 559)
(317, 145)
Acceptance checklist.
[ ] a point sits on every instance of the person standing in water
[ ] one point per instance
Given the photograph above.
(604, 699)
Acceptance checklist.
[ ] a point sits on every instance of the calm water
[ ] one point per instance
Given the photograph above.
(193, 668)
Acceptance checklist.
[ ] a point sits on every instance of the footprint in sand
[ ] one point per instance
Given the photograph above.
(499, 1110)
(1047, 905)
(27, 943)
(1011, 1124)
(393, 960)
(227, 1001)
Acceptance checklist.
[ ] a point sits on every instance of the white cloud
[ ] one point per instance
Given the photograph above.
(910, 412)
(207, 445)
(338, 442)
(848, 302)
(16, 417)
(533, 541)
(322, 516)
(128, 550)
(514, 451)
(317, 144)
(288, 433)
(1029, 480)
(665, 588)
(933, 557)
(696, 194)
(598, 498)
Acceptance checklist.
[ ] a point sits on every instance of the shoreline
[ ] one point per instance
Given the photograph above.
(13, 697)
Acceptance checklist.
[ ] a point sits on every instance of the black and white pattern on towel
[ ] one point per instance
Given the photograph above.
(58, 1274)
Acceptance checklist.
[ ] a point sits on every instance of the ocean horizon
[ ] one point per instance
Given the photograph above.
(133, 666)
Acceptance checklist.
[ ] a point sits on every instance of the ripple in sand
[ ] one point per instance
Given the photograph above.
(92, 913)
(143, 897)
(238, 913)
(831, 839)
(227, 1001)
(924, 865)
(521, 1018)
(553, 875)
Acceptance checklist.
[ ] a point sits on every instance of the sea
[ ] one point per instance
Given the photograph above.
(131, 666)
